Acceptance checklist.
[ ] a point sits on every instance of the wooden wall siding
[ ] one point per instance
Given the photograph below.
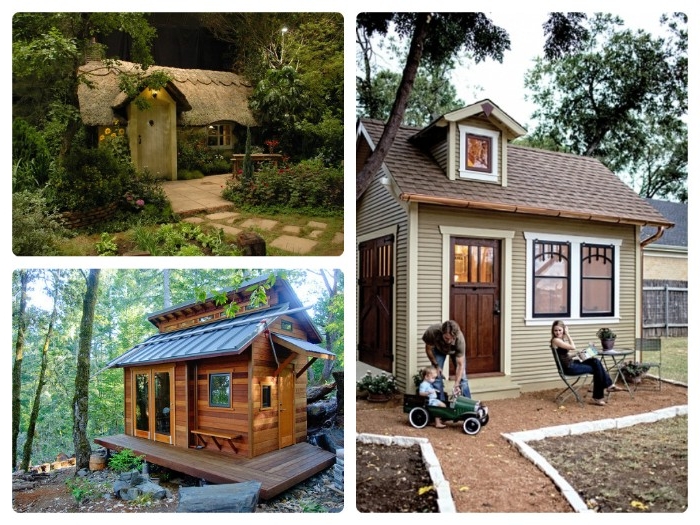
(265, 422)
(531, 360)
(181, 434)
(377, 210)
(297, 331)
(128, 419)
(234, 419)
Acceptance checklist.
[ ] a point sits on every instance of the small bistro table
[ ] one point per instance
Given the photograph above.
(613, 360)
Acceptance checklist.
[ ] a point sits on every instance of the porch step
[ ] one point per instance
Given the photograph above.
(493, 387)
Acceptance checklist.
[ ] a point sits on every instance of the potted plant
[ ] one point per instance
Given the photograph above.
(607, 338)
(633, 371)
(380, 387)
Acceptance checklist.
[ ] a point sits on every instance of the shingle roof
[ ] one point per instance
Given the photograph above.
(203, 96)
(676, 212)
(539, 182)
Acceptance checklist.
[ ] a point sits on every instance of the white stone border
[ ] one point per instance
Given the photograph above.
(520, 439)
(442, 486)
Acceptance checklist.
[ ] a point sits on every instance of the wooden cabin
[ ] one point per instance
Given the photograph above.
(232, 385)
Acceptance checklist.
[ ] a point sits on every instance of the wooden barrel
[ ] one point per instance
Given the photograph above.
(97, 462)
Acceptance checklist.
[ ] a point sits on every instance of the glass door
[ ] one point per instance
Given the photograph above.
(153, 395)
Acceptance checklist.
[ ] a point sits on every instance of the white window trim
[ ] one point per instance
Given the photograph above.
(495, 137)
(574, 278)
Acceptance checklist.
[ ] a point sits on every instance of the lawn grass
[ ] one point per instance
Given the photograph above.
(674, 358)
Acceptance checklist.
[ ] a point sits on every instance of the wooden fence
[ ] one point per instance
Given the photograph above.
(665, 308)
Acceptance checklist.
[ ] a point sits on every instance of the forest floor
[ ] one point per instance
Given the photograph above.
(643, 468)
(53, 494)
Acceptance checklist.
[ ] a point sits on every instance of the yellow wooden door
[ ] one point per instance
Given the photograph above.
(286, 407)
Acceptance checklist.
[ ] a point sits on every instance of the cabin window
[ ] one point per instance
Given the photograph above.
(219, 136)
(572, 277)
(220, 390)
(266, 396)
(478, 157)
(287, 325)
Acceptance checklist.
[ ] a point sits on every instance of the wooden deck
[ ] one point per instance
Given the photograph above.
(277, 471)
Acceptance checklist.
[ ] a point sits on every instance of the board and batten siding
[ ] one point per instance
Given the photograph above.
(525, 343)
(378, 212)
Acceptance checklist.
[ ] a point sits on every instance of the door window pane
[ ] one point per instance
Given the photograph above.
(161, 386)
(142, 402)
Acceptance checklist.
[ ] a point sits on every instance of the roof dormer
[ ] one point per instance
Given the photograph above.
(470, 143)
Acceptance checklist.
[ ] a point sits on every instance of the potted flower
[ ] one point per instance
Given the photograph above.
(380, 387)
(633, 371)
(607, 338)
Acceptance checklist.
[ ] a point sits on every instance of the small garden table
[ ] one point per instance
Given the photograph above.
(613, 360)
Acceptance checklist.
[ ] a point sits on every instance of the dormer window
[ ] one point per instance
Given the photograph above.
(478, 157)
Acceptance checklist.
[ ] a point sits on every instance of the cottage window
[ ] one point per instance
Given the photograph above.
(478, 158)
(220, 390)
(219, 136)
(266, 396)
(572, 277)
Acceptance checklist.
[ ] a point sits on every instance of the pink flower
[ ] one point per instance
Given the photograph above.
(140, 202)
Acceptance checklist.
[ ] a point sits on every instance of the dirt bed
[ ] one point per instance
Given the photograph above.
(486, 474)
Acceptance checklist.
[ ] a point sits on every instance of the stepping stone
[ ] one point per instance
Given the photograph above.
(315, 234)
(222, 215)
(316, 224)
(295, 230)
(293, 244)
(230, 230)
(193, 220)
(338, 238)
(263, 224)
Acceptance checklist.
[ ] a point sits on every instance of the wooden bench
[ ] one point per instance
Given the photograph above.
(214, 434)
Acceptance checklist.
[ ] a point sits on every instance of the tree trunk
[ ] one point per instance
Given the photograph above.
(415, 52)
(167, 301)
(340, 396)
(27, 452)
(17, 366)
(82, 374)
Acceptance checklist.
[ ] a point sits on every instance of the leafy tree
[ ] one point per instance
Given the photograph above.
(24, 278)
(437, 37)
(330, 318)
(82, 375)
(619, 95)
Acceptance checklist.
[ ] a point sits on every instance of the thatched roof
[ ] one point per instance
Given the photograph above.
(202, 96)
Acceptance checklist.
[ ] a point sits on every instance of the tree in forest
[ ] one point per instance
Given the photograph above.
(330, 317)
(435, 37)
(24, 278)
(41, 380)
(82, 375)
(620, 95)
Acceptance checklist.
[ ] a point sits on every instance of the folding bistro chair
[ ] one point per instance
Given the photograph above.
(572, 382)
(650, 355)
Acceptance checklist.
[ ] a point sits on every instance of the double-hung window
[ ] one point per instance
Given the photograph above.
(572, 277)
(219, 136)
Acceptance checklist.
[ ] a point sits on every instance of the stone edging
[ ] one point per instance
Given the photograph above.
(520, 439)
(442, 486)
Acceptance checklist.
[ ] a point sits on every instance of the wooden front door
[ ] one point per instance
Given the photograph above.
(475, 300)
(152, 403)
(286, 407)
(376, 292)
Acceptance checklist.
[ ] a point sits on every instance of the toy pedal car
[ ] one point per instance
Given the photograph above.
(460, 408)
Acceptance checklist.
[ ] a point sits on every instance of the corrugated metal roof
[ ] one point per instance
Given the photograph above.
(225, 337)
(306, 346)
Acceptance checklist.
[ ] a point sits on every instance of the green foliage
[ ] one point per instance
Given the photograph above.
(181, 239)
(81, 489)
(30, 155)
(189, 174)
(125, 460)
(195, 157)
(383, 383)
(36, 229)
(304, 187)
(89, 178)
(106, 245)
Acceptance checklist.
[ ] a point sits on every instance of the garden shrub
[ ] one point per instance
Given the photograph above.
(36, 229)
(193, 155)
(189, 174)
(30, 156)
(305, 187)
(125, 460)
(89, 178)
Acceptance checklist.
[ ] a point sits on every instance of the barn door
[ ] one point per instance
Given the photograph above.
(286, 407)
(475, 300)
(376, 292)
(152, 408)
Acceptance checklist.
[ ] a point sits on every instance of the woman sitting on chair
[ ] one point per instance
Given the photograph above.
(566, 349)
